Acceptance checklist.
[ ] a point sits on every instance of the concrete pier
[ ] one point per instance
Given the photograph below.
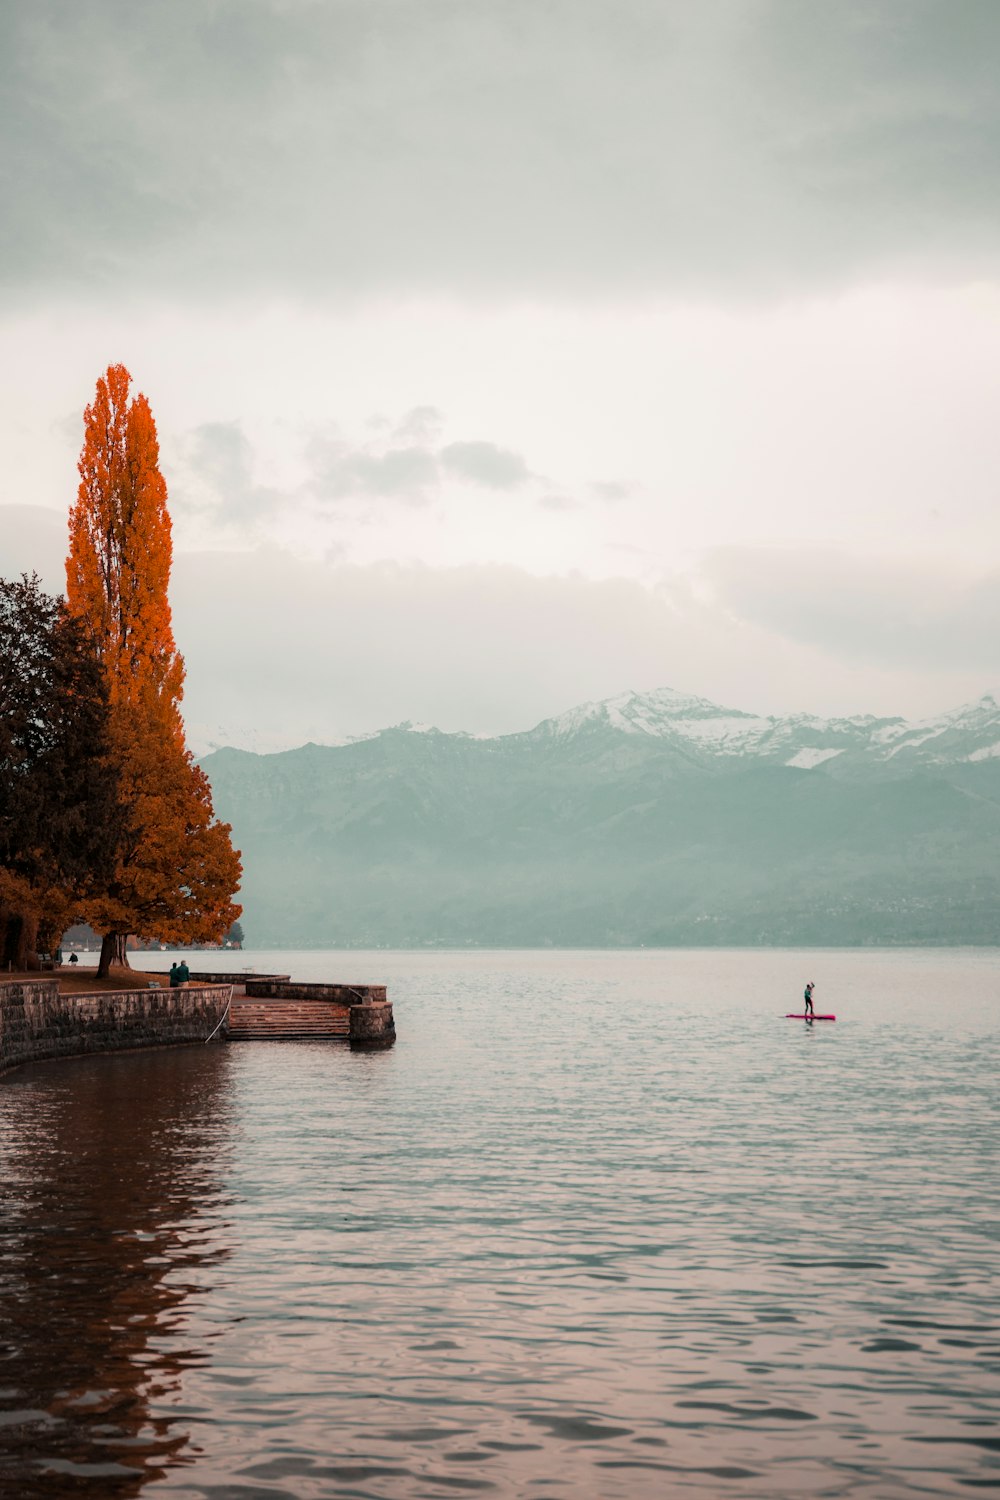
(269, 1008)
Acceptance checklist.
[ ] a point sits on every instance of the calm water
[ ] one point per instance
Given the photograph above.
(600, 1225)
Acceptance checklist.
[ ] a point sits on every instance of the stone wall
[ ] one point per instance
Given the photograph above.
(222, 977)
(372, 1027)
(268, 988)
(37, 1022)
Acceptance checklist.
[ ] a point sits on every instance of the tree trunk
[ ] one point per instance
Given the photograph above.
(6, 938)
(113, 951)
(17, 940)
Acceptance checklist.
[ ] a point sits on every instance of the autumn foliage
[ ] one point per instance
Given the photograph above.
(174, 871)
(120, 552)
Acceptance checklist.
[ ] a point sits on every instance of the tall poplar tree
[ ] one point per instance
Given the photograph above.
(175, 870)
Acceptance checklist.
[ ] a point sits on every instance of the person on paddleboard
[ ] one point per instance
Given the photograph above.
(809, 998)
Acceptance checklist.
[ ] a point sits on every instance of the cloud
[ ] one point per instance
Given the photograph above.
(215, 467)
(502, 149)
(558, 502)
(280, 650)
(217, 475)
(912, 615)
(486, 464)
(423, 424)
(407, 471)
(341, 650)
(340, 472)
(612, 490)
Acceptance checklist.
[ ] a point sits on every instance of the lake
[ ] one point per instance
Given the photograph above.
(601, 1224)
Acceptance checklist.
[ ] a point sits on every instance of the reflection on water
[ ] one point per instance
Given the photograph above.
(110, 1203)
(600, 1225)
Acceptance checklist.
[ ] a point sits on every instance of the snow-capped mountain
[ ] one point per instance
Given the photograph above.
(970, 733)
(648, 818)
(706, 734)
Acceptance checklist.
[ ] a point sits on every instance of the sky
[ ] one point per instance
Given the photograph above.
(507, 354)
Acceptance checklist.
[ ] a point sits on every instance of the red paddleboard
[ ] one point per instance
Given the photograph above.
(790, 1016)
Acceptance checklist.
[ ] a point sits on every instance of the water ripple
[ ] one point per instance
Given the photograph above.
(589, 1229)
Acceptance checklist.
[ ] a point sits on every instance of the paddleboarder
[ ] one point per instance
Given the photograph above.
(809, 998)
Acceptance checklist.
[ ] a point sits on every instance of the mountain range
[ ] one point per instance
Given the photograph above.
(648, 818)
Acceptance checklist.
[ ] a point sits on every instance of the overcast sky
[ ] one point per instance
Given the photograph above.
(510, 353)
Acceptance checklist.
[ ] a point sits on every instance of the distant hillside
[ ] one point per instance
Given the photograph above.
(655, 818)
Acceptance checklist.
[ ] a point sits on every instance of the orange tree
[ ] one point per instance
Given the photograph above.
(175, 871)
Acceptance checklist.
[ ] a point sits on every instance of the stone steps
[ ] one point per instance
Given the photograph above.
(287, 1020)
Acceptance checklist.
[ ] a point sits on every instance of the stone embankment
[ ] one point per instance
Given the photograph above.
(271, 1008)
(37, 1022)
